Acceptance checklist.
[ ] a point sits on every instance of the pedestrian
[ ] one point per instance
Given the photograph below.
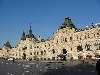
(98, 67)
(13, 60)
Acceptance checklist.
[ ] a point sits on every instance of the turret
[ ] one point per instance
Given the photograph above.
(30, 33)
(23, 36)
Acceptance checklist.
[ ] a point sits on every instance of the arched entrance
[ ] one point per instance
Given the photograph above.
(63, 55)
(64, 51)
(24, 56)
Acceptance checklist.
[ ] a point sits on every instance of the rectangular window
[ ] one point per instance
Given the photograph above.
(71, 38)
(85, 36)
(49, 44)
(77, 38)
(88, 36)
(37, 46)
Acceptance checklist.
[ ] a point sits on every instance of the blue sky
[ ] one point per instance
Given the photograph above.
(45, 16)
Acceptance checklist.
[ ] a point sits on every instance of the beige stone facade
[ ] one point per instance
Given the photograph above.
(68, 43)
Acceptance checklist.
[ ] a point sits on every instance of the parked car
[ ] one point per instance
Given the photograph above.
(10, 58)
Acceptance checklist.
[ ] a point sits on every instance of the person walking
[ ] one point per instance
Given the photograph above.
(98, 67)
(13, 60)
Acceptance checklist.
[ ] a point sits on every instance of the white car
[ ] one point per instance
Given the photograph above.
(10, 59)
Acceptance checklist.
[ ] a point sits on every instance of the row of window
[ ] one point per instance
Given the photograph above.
(44, 46)
(41, 53)
(71, 38)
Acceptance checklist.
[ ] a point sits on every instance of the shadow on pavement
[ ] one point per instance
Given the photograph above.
(80, 69)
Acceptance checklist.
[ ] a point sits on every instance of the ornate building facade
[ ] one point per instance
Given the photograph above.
(68, 43)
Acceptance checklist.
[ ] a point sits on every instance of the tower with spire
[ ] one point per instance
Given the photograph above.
(30, 33)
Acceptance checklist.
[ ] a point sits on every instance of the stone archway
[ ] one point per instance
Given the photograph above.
(63, 55)
(64, 51)
(24, 56)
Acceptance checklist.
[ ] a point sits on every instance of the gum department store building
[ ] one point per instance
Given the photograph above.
(68, 43)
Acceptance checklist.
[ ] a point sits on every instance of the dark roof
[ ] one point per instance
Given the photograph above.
(68, 23)
(7, 44)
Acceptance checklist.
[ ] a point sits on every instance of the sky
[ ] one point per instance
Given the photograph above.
(45, 16)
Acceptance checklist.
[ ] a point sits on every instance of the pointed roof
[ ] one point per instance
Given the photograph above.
(30, 28)
(23, 36)
(67, 23)
(7, 44)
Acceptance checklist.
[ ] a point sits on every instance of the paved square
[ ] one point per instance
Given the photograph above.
(46, 68)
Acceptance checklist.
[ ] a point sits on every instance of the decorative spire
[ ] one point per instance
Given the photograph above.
(30, 26)
(92, 23)
(30, 32)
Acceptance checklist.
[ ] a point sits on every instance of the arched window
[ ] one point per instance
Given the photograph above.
(30, 53)
(94, 35)
(71, 38)
(34, 53)
(37, 53)
(88, 36)
(64, 51)
(87, 46)
(44, 52)
(53, 51)
(65, 39)
(41, 52)
(97, 34)
(79, 48)
(45, 45)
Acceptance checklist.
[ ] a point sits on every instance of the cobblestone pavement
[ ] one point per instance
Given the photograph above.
(46, 68)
